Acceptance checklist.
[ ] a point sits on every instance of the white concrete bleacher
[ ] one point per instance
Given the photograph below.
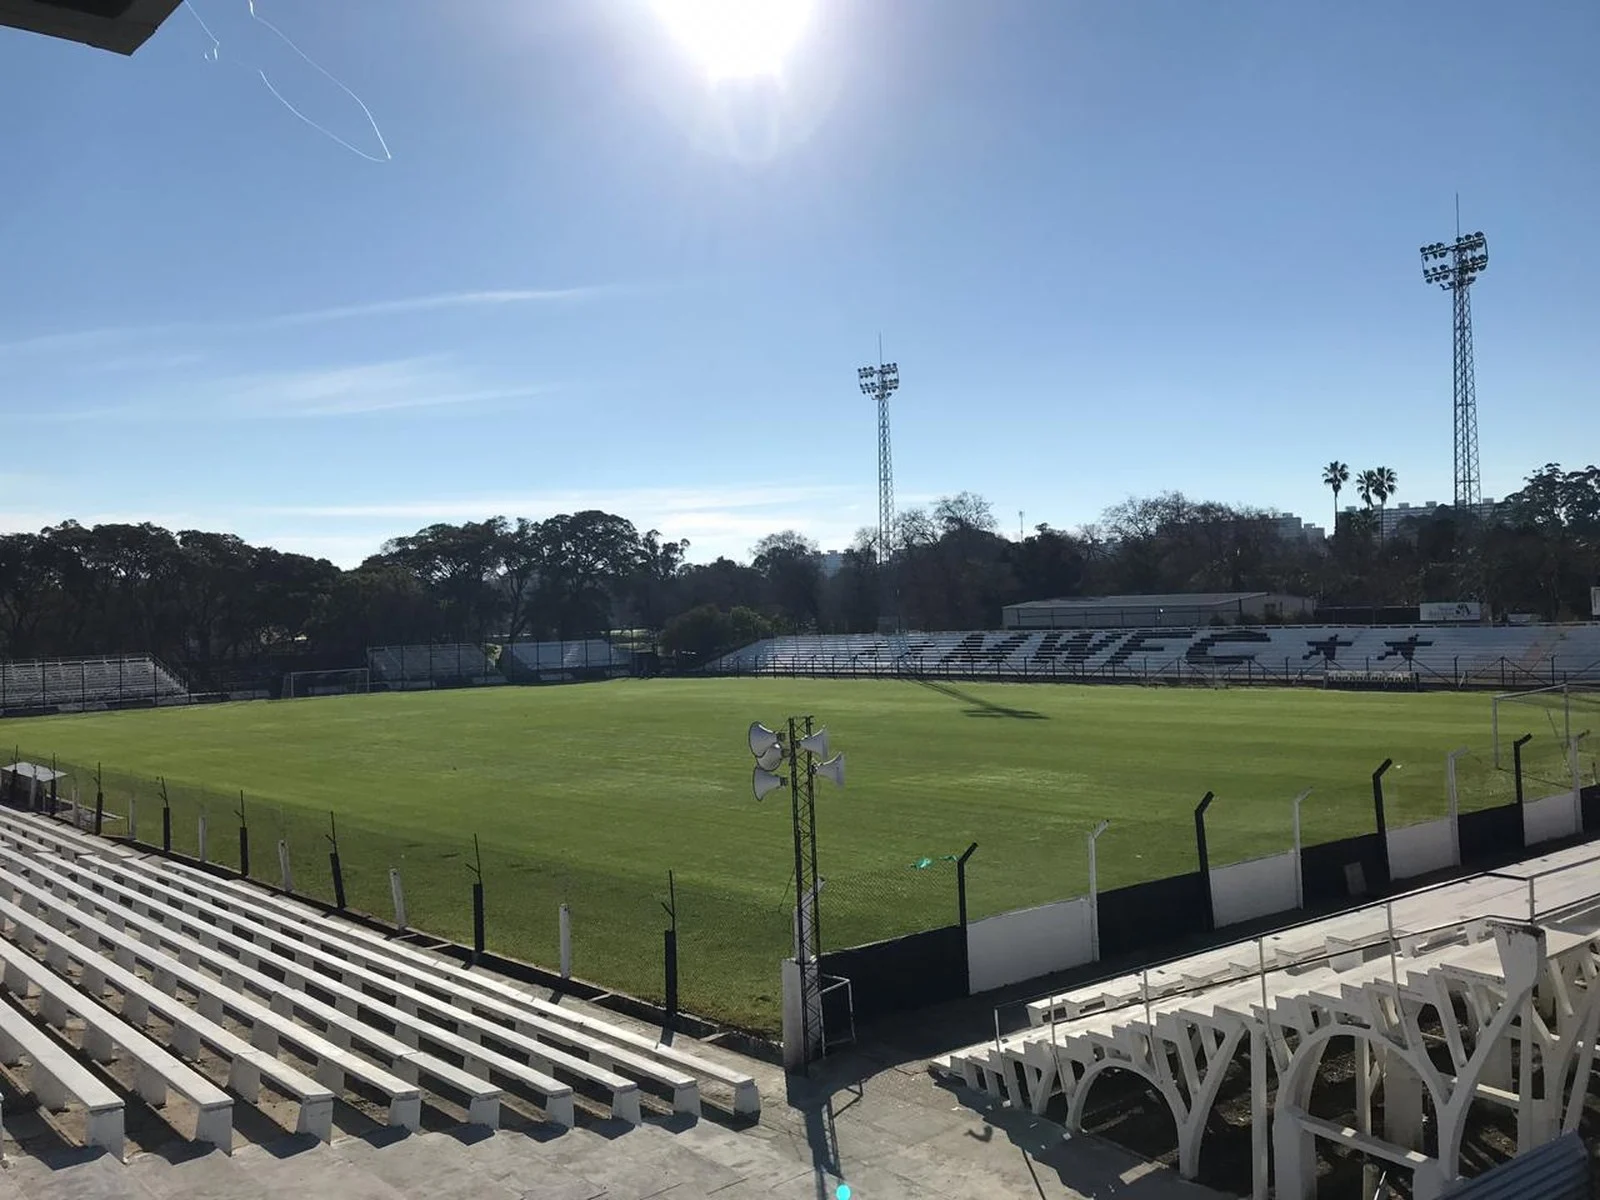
(106, 1036)
(81, 682)
(423, 665)
(434, 986)
(58, 1080)
(1368, 974)
(1512, 656)
(562, 660)
(450, 981)
(366, 1012)
(173, 961)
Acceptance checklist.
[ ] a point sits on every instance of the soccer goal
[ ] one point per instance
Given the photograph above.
(1560, 712)
(299, 684)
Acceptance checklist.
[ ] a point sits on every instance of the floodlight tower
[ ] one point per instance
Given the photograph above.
(881, 382)
(1454, 266)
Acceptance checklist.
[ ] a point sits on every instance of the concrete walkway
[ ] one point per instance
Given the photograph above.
(884, 1126)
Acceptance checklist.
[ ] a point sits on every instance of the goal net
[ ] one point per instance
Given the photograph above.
(1557, 726)
(299, 684)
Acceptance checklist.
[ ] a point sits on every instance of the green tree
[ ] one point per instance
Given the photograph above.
(1335, 475)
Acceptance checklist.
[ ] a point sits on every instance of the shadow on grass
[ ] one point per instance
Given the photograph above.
(981, 707)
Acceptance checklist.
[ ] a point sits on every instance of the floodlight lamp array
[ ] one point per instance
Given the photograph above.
(1457, 264)
(879, 380)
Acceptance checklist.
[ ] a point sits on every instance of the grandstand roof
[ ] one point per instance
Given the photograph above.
(1178, 600)
(121, 26)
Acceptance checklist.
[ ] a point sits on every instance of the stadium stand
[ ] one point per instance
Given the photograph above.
(1503, 656)
(553, 662)
(243, 972)
(1491, 960)
(409, 668)
(75, 684)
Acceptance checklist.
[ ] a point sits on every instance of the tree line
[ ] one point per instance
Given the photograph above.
(207, 599)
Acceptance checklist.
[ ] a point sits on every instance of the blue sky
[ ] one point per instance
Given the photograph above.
(1116, 248)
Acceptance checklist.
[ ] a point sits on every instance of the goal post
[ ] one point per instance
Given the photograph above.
(343, 682)
(1559, 719)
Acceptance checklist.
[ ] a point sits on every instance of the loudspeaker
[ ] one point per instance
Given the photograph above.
(833, 769)
(769, 758)
(817, 743)
(762, 739)
(763, 781)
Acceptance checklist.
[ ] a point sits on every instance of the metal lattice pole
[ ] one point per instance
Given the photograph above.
(1454, 266)
(880, 382)
(1468, 481)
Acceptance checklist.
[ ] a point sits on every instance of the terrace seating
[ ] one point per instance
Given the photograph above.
(58, 1079)
(176, 960)
(248, 1066)
(369, 1014)
(1511, 656)
(105, 1034)
(551, 661)
(427, 665)
(1479, 947)
(80, 683)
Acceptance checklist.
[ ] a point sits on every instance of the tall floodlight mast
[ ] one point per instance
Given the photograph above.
(880, 382)
(1454, 266)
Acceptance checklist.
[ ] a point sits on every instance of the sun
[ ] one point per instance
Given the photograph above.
(736, 39)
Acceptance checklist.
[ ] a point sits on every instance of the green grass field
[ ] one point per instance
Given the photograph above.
(589, 794)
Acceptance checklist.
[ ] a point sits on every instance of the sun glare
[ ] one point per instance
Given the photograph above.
(736, 39)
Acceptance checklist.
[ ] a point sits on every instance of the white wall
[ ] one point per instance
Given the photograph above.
(1027, 943)
(1418, 849)
(1257, 888)
(1547, 819)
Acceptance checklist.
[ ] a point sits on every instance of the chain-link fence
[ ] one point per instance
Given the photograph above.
(863, 906)
(1480, 784)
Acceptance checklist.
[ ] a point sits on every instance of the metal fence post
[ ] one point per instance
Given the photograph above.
(1205, 858)
(1516, 761)
(1381, 819)
(961, 884)
(333, 862)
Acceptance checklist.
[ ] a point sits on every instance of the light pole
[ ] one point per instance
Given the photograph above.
(806, 752)
(880, 382)
(1454, 266)
(1094, 893)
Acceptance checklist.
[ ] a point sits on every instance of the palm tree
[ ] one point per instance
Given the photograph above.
(1367, 486)
(1335, 475)
(1385, 483)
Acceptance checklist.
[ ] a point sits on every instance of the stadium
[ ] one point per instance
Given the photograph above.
(1181, 893)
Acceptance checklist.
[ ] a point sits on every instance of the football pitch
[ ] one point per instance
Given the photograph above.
(588, 795)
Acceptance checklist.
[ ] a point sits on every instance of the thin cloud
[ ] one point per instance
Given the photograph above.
(350, 390)
(446, 300)
(634, 503)
(86, 339)
(148, 362)
(110, 335)
(358, 406)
